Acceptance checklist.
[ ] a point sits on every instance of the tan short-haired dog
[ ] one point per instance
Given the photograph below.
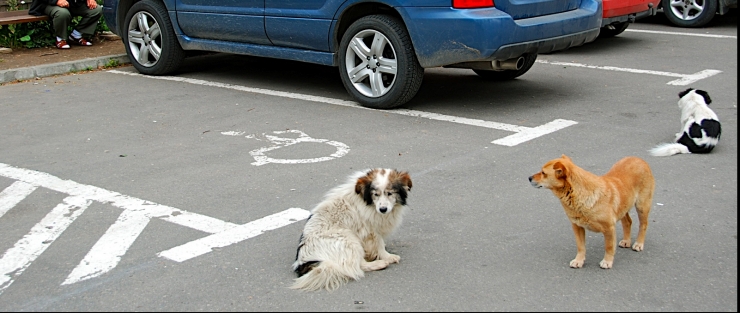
(596, 202)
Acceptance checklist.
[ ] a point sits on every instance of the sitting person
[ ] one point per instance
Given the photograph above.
(61, 13)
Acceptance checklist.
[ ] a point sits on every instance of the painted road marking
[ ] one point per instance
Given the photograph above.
(106, 253)
(110, 248)
(14, 194)
(26, 250)
(534, 132)
(280, 142)
(240, 233)
(513, 140)
(684, 79)
(679, 34)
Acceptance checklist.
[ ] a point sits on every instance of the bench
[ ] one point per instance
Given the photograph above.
(18, 17)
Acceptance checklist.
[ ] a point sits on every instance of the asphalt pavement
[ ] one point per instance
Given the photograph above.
(189, 192)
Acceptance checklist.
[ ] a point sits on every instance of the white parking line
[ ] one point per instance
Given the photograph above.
(679, 34)
(534, 132)
(26, 250)
(108, 250)
(240, 233)
(16, 192)
(530, 132)
(151, 209)
(685, 79)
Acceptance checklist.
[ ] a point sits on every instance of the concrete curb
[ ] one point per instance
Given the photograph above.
(45, 70)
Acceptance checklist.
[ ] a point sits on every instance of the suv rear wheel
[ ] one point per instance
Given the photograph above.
(379, 67)
(150, 41)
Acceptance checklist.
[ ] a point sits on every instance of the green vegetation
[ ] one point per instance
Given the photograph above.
(112, 63)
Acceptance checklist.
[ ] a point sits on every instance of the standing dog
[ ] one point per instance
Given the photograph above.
(596, 203)
(345, 235)
(701, 127)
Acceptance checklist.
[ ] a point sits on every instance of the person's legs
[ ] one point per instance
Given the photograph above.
(87, 25)
(60, 19)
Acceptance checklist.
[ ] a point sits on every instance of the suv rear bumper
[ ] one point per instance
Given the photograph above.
(545, 46)
(445, 36)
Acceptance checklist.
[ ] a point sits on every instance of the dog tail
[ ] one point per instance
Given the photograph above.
(668, 149)
(325, 275)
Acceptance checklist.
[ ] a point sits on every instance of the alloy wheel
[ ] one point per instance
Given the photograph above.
(371, 63)
(144, 39)
(687, 9)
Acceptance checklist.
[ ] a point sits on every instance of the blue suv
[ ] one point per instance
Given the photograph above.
(380, 46)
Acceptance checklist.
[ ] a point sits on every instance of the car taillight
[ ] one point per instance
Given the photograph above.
(471, 4)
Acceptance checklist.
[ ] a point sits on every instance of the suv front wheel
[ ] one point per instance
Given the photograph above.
(377, 63)
(150, 41)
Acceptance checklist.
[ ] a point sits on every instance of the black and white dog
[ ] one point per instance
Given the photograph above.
(701, 127)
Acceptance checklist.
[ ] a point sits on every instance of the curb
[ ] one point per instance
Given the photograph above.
(45, 70)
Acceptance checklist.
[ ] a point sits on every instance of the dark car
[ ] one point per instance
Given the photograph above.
(381, 47)
(695, 13)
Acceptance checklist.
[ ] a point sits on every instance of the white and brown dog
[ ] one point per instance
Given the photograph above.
(345, 235)
(701, 127)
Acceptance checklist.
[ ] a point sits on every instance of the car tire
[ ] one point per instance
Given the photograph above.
(377, 62)
(612, 30)
(691, 13)
(150, 40)
(529, 59)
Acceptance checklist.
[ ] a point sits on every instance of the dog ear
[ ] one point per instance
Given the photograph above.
(565, 157)
(683, 93)
(402, 184)
(362, 182)
(405, 179)
(363, 187)
(560, 170)
(704, 94)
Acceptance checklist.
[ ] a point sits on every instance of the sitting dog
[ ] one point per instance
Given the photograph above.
(701, 127)
(596, 202)
(345, 234)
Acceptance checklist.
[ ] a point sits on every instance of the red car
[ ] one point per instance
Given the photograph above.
(618, 14)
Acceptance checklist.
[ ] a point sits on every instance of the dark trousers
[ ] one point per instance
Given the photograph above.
(61, 17)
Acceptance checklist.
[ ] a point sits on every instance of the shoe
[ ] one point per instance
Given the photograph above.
(62, 44)
(80, 42)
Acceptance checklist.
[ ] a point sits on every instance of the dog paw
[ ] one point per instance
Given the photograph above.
(625, 243)
(577, 263)
(374, 265)
(638, 246)
(605, 265)
(391, 258)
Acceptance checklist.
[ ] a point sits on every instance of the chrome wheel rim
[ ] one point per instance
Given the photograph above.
(687, 9)
(371, 63)
(144, 39)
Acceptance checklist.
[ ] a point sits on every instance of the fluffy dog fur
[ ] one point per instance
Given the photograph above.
(345, 234)
(701, 127)
(596, 203)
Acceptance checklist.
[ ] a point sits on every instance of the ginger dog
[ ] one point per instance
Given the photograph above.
(596, 202)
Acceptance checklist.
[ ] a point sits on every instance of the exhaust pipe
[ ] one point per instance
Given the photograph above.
(510, 64)
(496, 65)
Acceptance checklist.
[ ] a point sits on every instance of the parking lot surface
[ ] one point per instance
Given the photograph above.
(124, 192)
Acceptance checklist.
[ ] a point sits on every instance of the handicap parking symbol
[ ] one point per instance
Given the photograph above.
(261, 158)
